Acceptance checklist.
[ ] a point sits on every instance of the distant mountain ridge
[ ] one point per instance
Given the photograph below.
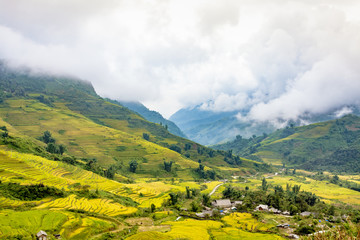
(204, 126)
(152, 116)
(209, 128)
(326, 146)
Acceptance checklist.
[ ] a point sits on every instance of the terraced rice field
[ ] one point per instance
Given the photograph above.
(19, 167)
(84, 138)
(188, 229)
(206, 229)
(70, 225)
(231, 233)
(246, 222)
(101, 206)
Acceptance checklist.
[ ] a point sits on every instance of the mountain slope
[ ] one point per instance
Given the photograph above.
(91, 127)
(327, 146)
(209, 128)
(205, 127)
(152, 116)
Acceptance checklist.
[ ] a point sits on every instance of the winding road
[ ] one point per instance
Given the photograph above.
(215, 188)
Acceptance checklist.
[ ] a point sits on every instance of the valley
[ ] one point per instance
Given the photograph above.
(84, 167)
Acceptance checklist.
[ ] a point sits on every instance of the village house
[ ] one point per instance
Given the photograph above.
(306, 214)
(237, 203)
(41, 235)
(204, 214)
(274, 210)
(262, 207)
(284, 225)
(222, 203)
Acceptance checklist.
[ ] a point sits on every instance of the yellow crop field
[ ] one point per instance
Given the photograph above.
(245, 221)
(191, 229)
(101, 206)
(85, 138)
(195, 229)
(188, 229)
(19, 167)
(149, 235)
(7, 202)
(231, 233)
(70, 225)
(86, 227)
(327, 191)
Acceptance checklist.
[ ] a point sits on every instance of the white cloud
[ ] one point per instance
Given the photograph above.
(342, 112)
(278, 60)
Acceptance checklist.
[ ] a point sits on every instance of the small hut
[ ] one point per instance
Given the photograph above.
(262, 207)
(41, 235)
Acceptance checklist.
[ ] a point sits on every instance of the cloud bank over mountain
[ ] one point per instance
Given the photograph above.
(278, 60)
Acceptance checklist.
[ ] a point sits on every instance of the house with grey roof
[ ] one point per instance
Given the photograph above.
(222, 203)
(306, 214)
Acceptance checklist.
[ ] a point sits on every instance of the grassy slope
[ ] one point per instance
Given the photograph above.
(326, 146)
(52, 215)
(206, 229)
(328, 192)
(92, 127)
(84, 138)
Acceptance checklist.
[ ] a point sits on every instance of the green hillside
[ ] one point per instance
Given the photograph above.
(93, 129)
(151, 116)
(75, 164)
(327, 146)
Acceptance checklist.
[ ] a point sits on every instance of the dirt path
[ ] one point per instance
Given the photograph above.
(215, 188)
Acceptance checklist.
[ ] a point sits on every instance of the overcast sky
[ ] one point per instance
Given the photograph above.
(280, 59)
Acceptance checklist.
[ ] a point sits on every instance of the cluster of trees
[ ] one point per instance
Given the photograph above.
(165, 126)
(199, 200)
(175, 148)
(93, 166)
(133, 166)
(146, 136)
(29, 192)
(167, 166)
(211, 174)
(191, 192)
(208, 152)
(291, 199)
(5, 132)
(52, 147)
(233, 160)
(243, 146)
(45, 100)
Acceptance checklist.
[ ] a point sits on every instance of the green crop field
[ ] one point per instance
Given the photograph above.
(101, 206)
(85, 186)
(71, 226)
(328, 192)
(85, 138)
(205, 229)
